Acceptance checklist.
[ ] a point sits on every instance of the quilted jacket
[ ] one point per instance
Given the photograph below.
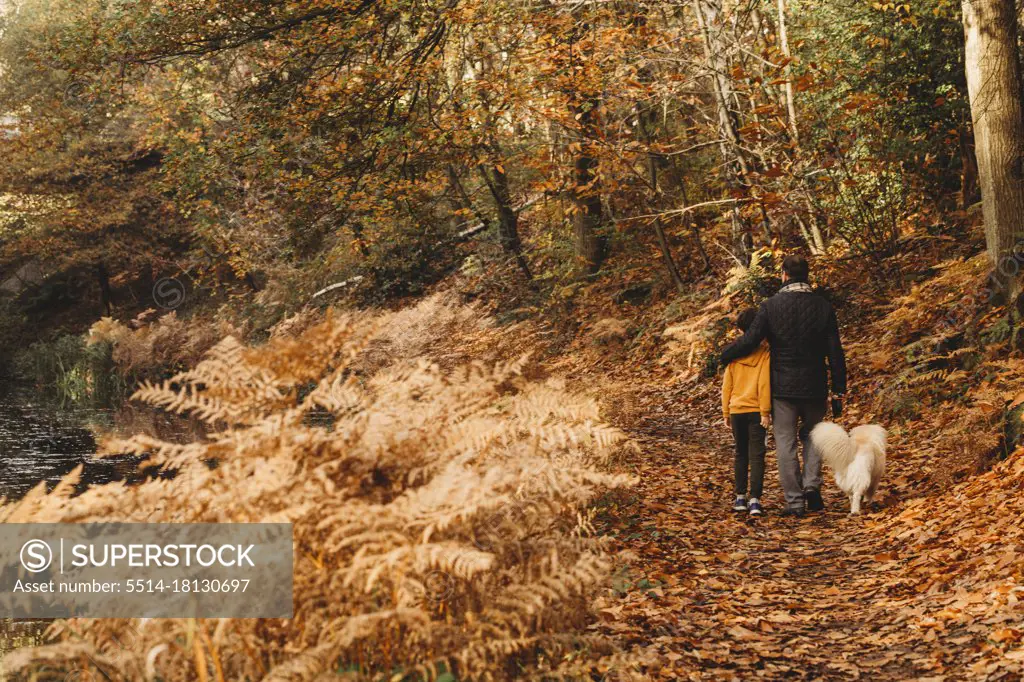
(803, 334)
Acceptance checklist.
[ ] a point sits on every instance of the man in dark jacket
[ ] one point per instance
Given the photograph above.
(802, 333)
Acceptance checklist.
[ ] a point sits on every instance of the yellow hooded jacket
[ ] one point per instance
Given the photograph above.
(746, 386)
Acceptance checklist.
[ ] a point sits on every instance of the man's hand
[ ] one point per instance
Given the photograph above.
(728, 422)
(721, 355)
(766, 420)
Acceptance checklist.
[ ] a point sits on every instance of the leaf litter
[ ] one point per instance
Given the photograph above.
(923, 587)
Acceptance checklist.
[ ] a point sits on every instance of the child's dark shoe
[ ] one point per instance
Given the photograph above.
(740, 505)
(755, 507)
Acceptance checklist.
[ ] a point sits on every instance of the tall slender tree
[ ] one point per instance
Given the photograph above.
(993, 82)
(591, 244)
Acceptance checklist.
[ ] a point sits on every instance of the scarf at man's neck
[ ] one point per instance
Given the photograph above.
(801, 287)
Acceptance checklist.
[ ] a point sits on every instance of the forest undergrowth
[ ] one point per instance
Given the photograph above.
(441, 496)
(474, 514)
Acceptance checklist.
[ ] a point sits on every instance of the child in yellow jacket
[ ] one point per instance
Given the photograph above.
(747, 404)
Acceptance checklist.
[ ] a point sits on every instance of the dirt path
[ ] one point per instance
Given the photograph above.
(720, 595)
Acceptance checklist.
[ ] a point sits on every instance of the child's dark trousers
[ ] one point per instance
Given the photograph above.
(750, 449)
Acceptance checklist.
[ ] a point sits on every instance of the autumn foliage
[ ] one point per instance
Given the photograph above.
(610, 182)
(304, 143)
(441, 516)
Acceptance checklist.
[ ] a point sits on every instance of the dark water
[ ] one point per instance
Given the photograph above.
(43, 440)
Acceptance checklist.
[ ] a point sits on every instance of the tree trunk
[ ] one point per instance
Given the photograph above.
(647, 116)
(653, 159)
(460, 201)
(812, 229)
(790, 98)
(993, 83)
(677, 181)
(103, 277)
(817, 242)
(709, 20)
(508, 218)
(591, 245)
(812, 236)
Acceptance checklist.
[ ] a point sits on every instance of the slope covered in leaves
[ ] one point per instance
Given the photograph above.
(926, 586)
(922, 588)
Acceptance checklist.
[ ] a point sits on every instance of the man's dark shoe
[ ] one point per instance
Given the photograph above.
(813, 499)
(791, 511)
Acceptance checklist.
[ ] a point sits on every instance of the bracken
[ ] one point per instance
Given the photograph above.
(440, 517)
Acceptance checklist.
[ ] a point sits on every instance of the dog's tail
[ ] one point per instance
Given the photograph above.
(834, 444)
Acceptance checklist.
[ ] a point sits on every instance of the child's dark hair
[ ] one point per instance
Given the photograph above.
(746, 318)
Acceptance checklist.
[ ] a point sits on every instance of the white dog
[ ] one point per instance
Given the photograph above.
(857, 458)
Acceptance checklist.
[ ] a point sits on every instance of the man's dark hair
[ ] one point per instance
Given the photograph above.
(746, 318)
(796, 267)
